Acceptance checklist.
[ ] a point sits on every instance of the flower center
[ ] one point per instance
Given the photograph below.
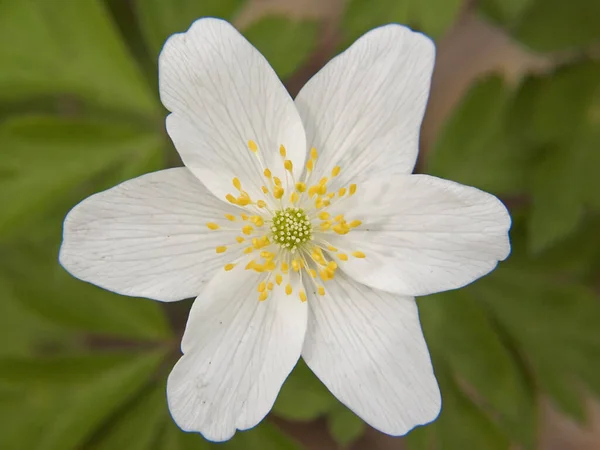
(286, 236)
(291, 228)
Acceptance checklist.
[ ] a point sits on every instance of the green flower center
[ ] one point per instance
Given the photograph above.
(291, 228)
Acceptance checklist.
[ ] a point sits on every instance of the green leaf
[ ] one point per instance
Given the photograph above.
(473, 147)
(160, 19)
(303, 397)
(45, 158)
(265, 436)
(553, 324)
(50, 412)
(60, 298)
(286, 44)
(505, 11)
(556, 25)
(175, 439)
(138, 427)
(461, 333)
(433, 17)
(344, 426)
(68, 47)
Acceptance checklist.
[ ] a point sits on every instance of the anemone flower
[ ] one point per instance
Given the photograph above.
(298, 227)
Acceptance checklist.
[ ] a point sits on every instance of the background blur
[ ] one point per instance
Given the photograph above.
(515, 110)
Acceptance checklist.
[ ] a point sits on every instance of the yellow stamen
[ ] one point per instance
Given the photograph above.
(300, 187)
(321, 290)
(278, 192)
(331, 248)
(252, 146)
(237, 184)
(324, 215)
(282, 151)
(352, 189)
(247, 230)
(335, 171)
(294, 197)
(342, 192)
(262, 296)
(313, 153)
(288, 165)
(302, 296)
(309, 165)
(261, 204)
(248, 250)
(359, 255)
(262, 286)
(221, 249)
(278, 279)
(284, 267)
(342, 256)
(288, 289)
(270, 286)
(240, 239)
(277, 181)
(355, 223)
(212, 226)
(267, 173)
(265, 189)
(229, 267)
(230, 217)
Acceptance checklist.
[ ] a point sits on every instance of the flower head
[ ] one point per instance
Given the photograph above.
(297, 225)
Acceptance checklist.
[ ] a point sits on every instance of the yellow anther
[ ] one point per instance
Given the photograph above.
(324, 215)
(231, 199)
(321, 290)
(277, 181)
(339, 218)
(255, 243)
(331, 248)
(247, 230)
(342, 192)
(257, 220)
(288, 165)
(355, 223)
(221, 249)
(309, 165)
(270, 265)
(267, 255)
(313, 153)
(359, 255)
(261, 204)
(237, 184)
(341, 229)
(312, 191)
(325, 275)
(252, 146)
(284, 267)
(294, 197)
(212, 226)
(244, 216)
(342, 256)
(243, 201)
(319, 203)
(313, 273)
(335, 171)
(332, 265)
(322, 189)
(302, 295)
(229, 267)
(325, 225)
(240, 239)
(352, 189)
(248, 250)
(230, 217)
(323, 181)
(250, 265)
(258, 268)
(278, 279)
(270, 286)
(288, 289)
(262, 286)
(295, 265)
(278, 192)
(265, 189)
(282, 151)
(300, 187)
(262, 296)
(331, 195)
(267, 173)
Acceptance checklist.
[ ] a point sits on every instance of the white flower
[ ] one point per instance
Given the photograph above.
(298, 226)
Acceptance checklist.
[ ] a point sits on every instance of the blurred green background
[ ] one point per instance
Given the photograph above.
(515, 110)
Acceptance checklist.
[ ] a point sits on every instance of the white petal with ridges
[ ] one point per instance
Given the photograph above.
(367, 347)
(363, 110)
(237, 353)
(422, 234)
(222, 93)
(148, 237)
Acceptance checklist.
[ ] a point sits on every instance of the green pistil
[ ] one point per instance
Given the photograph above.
(291, 228)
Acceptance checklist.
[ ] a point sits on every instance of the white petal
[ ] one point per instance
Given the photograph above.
(148, 237)
(423, 234)
(237, 353)
(363, 110)
(222, 93)
(367, 347)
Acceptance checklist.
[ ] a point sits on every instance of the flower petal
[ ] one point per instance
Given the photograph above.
(148, 237)
(237, 353)
(367, 347)
(222, 93)
(364, 109)
(423, 234)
